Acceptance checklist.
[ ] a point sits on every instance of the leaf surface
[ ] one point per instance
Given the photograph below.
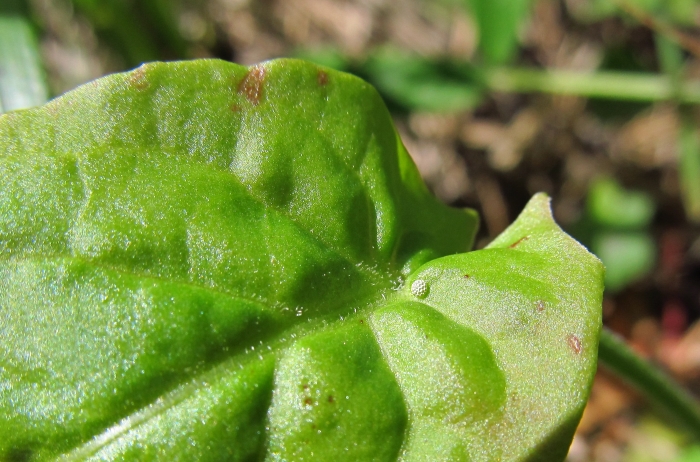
(534, 295)
(202, 261)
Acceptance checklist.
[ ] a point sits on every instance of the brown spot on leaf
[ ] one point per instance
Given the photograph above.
(575, 343)
(322, 77)
(466, 276)
(540, 305)
(235, 107)
(308, 401)
(304, 386)
(252, 84)
(138, 78)
(516, 243)
(362, 321)
(331, 399)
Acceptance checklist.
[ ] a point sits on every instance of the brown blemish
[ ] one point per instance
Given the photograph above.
(308, 401)
(466, 276)
(540, 306)
(322, 78)
(138, 78)
(304, 386)
(235, 107)
(331, 399)
(252, 85)
(575, 343)
(516, 243)
(362, 321)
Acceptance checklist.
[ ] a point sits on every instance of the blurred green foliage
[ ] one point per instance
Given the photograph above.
(615, 207)
(499, 22)
(689, 166)
(22, 80)
(417, 83)
(141, 31)
(620, 221)
(677, 11)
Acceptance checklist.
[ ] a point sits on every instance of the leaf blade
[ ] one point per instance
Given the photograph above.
(145, 207)
(190, 235)
(534, 295)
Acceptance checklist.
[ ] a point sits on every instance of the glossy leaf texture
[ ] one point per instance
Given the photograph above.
(202, 261)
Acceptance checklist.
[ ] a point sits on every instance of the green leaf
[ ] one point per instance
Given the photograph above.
(627, 256)
(619, 238)
(609, 204)
(535, 296)
(417, 83)
(499, 22)
(202, 261)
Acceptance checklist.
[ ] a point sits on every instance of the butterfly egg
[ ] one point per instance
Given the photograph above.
(419, 288)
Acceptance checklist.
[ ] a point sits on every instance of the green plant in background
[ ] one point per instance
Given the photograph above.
(621, 237)
(499, 23)
(202, 259)
(22, 82)
(141, 31)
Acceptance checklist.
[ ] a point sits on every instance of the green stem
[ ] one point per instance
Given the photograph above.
(599, 84)
(656, 386)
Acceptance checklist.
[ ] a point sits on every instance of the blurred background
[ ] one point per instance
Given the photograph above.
(592, 101)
